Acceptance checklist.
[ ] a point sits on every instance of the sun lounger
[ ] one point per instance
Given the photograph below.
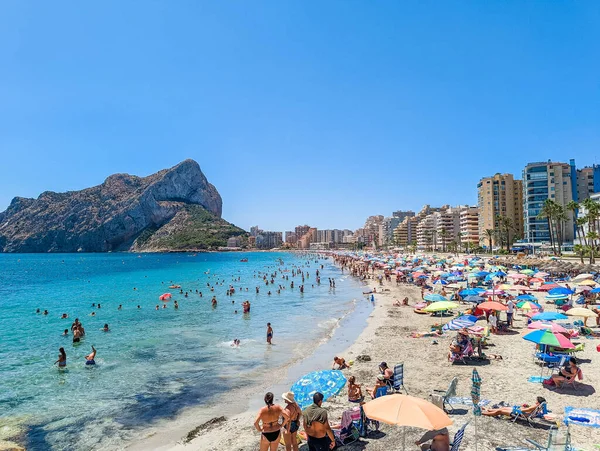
(458, 437)
(539, 412)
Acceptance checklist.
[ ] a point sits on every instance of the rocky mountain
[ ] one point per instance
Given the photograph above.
(174, 209)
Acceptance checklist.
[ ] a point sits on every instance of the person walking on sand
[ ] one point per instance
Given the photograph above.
(269, 333)
(316, 424)
(290, 431)
(267, 422)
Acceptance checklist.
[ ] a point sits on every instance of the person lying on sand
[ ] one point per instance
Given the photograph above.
(514, 410)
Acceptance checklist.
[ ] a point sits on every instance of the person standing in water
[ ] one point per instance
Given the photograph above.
(89, 359)
(62, 358)
(269, 333)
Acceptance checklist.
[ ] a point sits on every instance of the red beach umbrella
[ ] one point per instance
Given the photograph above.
(492, 305)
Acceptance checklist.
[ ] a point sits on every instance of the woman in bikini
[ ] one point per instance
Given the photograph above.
(566, 373)
(62, 358)
(294, 412)
(270, 430)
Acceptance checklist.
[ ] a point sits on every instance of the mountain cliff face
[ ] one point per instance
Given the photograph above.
(123, 213)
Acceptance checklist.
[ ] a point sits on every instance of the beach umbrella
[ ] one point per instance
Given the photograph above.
(548, 316)
(474, 298)
(583, 277)
(405, 410)
(580, 311)
(528, 305)
(471, 292)
(493, 293)
(476, 397)
(549, 338)
(440, 306)
(535, 279)
(541, 274)
(434, 297)
(328, 382)
(454, 285)
(587, 282)
(595, 290)
(463, 321)
(526, 297)
(527, 271)
(492, 305)
(561, 290)
(517, 276)
(548, 286)
(556, 297)
(554, 327)
(440, 282)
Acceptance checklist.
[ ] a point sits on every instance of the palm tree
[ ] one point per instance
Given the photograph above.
(443, 235)
(580, 222)
(490, 234)
(579, 250)
(548, 212)
(592, 236)
(573, 207)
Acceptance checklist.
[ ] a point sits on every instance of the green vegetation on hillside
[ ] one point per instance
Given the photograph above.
(194, 228)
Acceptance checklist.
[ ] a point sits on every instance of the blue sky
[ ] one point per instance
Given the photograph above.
(298, 112)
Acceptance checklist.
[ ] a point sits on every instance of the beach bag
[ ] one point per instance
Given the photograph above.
(598, 348)
(548, 382)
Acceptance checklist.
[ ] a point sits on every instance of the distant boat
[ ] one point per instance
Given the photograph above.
(245, 260)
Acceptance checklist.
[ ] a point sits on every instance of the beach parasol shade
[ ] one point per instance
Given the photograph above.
(462, 322)
(561, 290)
(526, 297)
(535, 279)
(471, 292)
(434, 297)
(474, 299)
(547, 337)
(587, 282)
(528, 305)
(527, 271)
(517, 276)
(505, 286)
(548, 286)
(476, 392)
(583, 312)
(595, 290)
(440, 306)
(541, 274)
(548, 316)
(493, 293)
(328, 382)
(492, 305)
(583, 277)
(551, 326)
(404, 410)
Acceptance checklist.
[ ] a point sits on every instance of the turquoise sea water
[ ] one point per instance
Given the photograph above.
(152, 363)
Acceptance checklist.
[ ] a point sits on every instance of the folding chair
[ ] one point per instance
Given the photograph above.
(381, 391)
(396, 384)
(458, 437)
(538, 412)
(348, 432)
(447, 394)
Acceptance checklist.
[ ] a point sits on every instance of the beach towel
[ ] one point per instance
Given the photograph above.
(537, 379)
(582, 416)
(460, 400)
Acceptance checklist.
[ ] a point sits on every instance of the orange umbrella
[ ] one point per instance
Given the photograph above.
(492, 305)
(404, 410)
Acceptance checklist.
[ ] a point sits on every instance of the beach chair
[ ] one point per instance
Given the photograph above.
(396, 384)
(381, 391)
(447, 394)
(366, 426)
(539, 412)
(557, 441)
(467, 352)
(458, 438)
(348, 431)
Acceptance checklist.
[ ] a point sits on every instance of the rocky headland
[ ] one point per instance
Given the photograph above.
(174, 209)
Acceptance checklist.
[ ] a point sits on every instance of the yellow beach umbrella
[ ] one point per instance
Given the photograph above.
(588, 282)
(439, 306)
(580, 311)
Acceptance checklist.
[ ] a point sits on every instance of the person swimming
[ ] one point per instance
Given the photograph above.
(89, 359)
(65, 333)
(105, 328)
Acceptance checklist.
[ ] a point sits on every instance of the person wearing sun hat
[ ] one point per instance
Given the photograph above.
(290, 429)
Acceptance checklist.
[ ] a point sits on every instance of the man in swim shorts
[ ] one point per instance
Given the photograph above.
(269, 333)
(89, 359)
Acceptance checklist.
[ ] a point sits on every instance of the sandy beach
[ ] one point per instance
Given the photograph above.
(387, 338)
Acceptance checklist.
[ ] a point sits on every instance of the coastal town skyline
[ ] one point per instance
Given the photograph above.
(407, 106)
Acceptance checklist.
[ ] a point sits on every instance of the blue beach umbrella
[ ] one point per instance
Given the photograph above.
(471, 292)
(328, 382)
(526, 297)
(474, 298)
(561, 290)
(440, 282)
(548, 316)
(595, 290)
(434, 297)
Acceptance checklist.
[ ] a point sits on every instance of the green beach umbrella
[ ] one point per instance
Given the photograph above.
(440, 306)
